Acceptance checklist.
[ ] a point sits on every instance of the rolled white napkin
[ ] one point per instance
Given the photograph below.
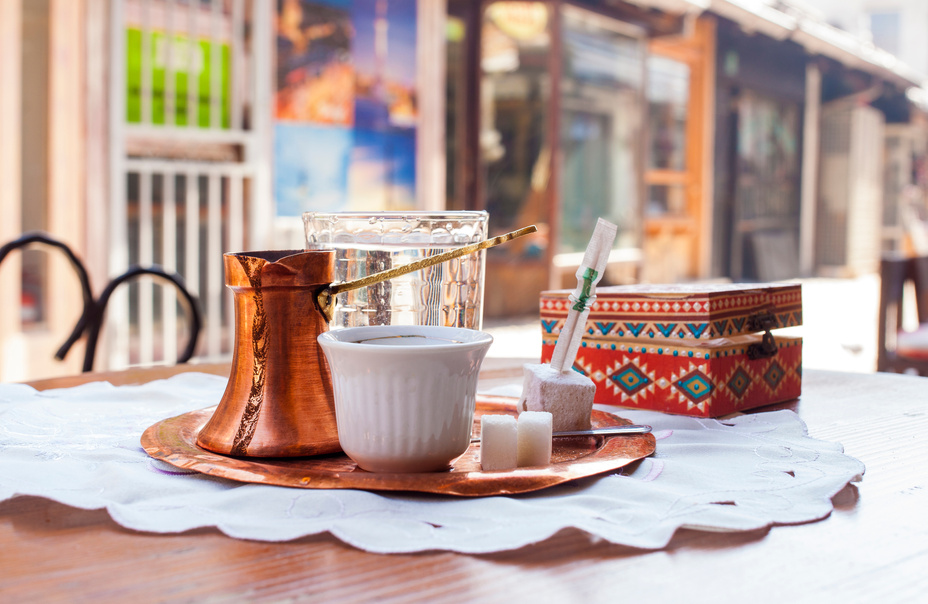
(555, 387)
(588, 275)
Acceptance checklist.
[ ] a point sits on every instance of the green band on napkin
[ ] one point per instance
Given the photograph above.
(589, 275)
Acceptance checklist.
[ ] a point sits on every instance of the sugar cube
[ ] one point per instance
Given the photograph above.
(534, 438)
(568, 396)
(498, 442)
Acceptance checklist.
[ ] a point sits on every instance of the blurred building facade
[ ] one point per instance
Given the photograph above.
(897, 27)
(728, 139)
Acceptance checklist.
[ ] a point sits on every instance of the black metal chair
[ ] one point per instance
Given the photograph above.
(96, 320)
(94, 310)
(901, 351)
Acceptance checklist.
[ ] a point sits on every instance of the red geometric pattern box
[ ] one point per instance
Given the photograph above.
(703, 350)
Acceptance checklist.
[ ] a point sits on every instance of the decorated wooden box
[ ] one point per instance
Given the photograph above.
(700, 350)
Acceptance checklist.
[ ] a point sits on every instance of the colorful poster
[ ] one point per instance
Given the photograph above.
(314, 72)
(346, 105)
(310, 168)
(382, 175)
(384, 55)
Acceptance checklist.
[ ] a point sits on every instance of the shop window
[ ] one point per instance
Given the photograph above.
(514, 61)
(601, 113)
(600, 117)
(666, 200)
(668, 97)
(766, 195)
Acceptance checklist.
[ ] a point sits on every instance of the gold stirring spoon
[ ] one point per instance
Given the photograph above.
(326, 298)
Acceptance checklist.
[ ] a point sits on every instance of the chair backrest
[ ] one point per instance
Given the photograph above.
(96, 322)
(44, 240)
(895, 272)
(91, 319)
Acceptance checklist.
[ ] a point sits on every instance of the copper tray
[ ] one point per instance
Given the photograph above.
(174, 441)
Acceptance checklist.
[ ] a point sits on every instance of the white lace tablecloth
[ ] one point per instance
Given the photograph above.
(80, 446)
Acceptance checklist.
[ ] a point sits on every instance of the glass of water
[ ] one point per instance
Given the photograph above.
(449, 293)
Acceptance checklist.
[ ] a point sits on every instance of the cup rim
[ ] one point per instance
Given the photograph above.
(355, 338)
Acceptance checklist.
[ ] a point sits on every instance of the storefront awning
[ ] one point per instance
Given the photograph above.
(781, 21)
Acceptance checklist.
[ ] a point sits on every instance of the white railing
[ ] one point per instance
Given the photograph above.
(188, 171)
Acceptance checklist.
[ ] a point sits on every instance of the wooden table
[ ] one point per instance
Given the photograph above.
(873, 548)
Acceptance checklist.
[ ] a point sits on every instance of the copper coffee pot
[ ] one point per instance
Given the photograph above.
(279, 400)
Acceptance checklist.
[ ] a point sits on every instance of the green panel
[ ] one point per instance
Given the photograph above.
(202, 69)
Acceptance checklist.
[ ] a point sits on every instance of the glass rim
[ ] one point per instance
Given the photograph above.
(437, 214)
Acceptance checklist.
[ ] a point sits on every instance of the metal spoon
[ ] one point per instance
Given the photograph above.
(611, 431)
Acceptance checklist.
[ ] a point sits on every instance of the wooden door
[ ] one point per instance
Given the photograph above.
(678, 192)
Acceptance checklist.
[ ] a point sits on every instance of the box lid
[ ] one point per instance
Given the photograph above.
(692, 311)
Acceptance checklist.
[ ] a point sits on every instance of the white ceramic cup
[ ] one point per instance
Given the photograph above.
(404, 394)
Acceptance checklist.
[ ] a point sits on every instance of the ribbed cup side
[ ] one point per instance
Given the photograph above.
(386, 419)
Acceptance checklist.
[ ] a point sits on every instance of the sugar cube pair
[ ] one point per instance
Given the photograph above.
(506, 443)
